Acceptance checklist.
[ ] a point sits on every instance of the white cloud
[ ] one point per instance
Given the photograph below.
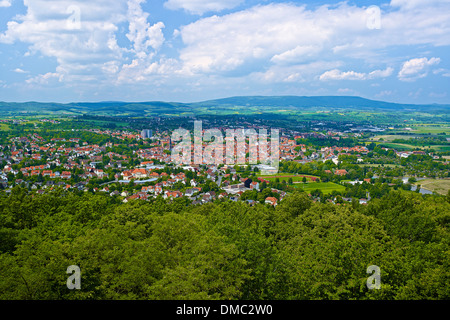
(201, 6)
(48, 28)
(299, 53)
(280, 73)
(141, 33)
(81, 35)
(45, 78)
(347, 91)
(416, 94)
(336, 74)
(438, 95)
(412, 4)
(268, 43)
(5, 3)
(339, 75)
(18, 70)
(275, 33)
(289, 34)
(416, 68)
(443, 72)
(146, 40)
(385, 93)
(381, 73)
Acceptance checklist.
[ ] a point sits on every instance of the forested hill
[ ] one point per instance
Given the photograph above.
(224, 250)
(338, 102)
(232, 105)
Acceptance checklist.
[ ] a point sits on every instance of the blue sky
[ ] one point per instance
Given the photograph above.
(194, 50)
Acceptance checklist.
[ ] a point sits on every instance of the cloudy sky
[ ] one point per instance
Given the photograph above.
(193, 50)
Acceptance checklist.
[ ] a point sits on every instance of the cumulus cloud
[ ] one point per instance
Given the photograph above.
(443, 72)
(380, 73)
(339, 75)
(201, 6)
(45, 78)
(281, 73)
(412, 4)
(336, 74)
(143, 35)
(290, 34)
(384, 93)
(299, 53)
(18, 70)
(49, 28)
(5, 3)
(417, 68)
(146, 40)
(81, 35)
(277, 33)
(346, 91)
(270, 43)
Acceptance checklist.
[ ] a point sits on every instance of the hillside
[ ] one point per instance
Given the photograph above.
(231, 105)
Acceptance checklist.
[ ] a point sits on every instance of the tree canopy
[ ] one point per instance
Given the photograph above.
(165, 249)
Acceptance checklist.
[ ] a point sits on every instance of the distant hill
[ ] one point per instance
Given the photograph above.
(346, 102)
(241, 105)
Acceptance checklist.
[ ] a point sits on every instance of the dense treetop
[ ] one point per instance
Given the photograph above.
(165, 249)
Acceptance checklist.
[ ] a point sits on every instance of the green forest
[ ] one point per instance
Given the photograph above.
(171, 250)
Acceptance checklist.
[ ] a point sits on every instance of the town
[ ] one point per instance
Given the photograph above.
(330, 165)
(108, 194)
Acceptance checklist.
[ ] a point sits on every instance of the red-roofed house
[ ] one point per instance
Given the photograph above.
(127, 175)
(46, 173)
(271, 200)
(342, 172)
(66, 175)
(139, 173)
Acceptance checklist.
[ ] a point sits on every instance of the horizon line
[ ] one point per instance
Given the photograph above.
(230, 97)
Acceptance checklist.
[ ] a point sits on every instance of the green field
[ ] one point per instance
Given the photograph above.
(4, 127)
(286, 176)
(407, 147)
(418, 131)
(391, 137)
(325, 187)
(398, 146)
(431, 128)
(379, 165)
(442, 148)
(101, 123)
(441, 186)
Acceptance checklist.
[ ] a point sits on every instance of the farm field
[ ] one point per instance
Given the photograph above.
(420, 130)
(286, 176)
(431, 128)
(379, 165)
(399, 146)
(104, 123)
(387, 140)
(441, 186)
(392, 137)
(325, 187)
(442, 148)
(407, 147)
